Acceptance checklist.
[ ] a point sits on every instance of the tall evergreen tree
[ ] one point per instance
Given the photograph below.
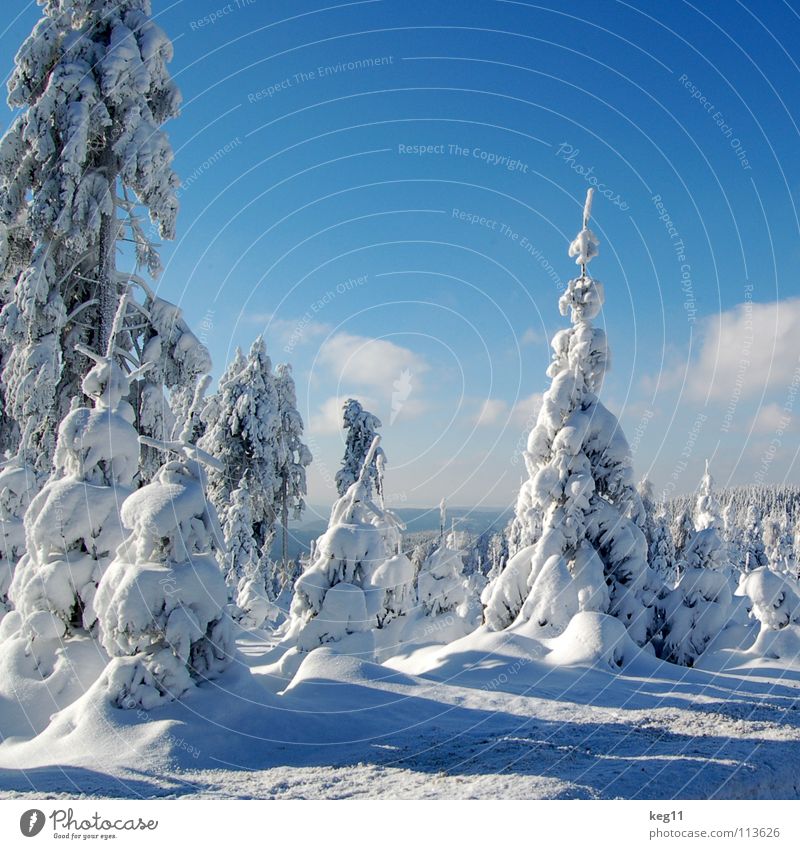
(585, 552)
(83, 159)
(241, 433)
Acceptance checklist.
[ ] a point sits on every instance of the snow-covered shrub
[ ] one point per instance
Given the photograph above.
(575, 509)
(162, 601)
(776, 600)
(256, 607)
(776, 604)
(72, 526)
(593, 639)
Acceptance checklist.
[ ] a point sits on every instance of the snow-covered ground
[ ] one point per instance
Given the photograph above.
(492, 715)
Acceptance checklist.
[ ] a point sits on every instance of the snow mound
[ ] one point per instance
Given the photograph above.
(778, 645)
(593, 639)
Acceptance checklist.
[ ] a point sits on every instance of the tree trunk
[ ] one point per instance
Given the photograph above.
(106, 262)
(285, 523)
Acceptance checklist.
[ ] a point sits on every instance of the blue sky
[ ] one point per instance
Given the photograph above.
(381, 272)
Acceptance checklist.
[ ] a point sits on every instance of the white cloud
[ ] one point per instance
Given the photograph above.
(491, 411)
(522, 414)
(746, 350)
(531, 337)
(527, 409)
(773, 418)
(289, 333)
(365, 361)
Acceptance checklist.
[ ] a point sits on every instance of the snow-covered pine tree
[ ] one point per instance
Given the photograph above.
(732, 535)
(243, 574)
(661, 554)
(701, 604)
(589, 554)
(361, 427)
(683, 532)
(779, 545)
(72, 526)
(292, 456)
(162, 601)
(707, 511)
(442, 586)
(755, 556)
(498, 554)
(241, 426)
(359, 579)
(84, 157)
(242, 554)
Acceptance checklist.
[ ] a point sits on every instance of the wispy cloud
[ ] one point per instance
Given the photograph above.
(746, 350)
(368, 362)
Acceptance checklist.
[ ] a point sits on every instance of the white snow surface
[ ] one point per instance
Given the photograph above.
(586, 714)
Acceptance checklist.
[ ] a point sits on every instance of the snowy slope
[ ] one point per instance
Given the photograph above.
(490, 715)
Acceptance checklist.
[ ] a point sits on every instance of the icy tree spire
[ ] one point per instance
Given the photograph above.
(582, 550)
(83, 159)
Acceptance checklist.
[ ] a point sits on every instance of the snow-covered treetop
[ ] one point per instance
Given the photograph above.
(361, 427)
(707, 511)
(90, 78)
(585, 246)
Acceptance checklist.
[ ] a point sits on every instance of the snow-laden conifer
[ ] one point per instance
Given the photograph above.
(584, 551)
(83, 160)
